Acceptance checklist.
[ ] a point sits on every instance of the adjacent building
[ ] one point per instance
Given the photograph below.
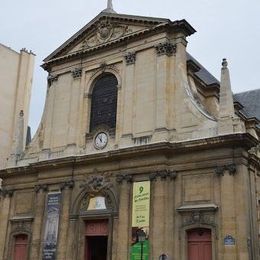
(140, 152)
(15, 92)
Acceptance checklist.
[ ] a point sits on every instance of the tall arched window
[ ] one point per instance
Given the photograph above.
(104, 102)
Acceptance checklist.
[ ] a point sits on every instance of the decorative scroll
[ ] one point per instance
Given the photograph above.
(51, 226)
(140, 219)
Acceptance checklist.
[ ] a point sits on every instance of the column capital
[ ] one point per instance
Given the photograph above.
(166, 48)
(130, 58)
(6, 193)
(231, 168)
(121, 178)
(76, 73)
(164, 175)
(52, 78)
(67, 185)
(41, 187)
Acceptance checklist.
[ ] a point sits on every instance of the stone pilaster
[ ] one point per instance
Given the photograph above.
(128, 95)
(64, 220)
(169, 214)
(161, 93)
(6, 196)
(38, 220)
(72, 239)
(228, 213)
(243, 207)
(123, 220)
(159, 218)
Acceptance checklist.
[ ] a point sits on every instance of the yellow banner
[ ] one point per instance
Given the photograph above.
(141, 204)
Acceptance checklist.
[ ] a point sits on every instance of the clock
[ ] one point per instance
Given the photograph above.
(101, 140)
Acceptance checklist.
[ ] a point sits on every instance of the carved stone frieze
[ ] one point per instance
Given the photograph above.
(130, 58)
(105, 31)
(231, 168)
(199, 218)
(163, 175)
(165, 48)
(121, 178)
(76, 73)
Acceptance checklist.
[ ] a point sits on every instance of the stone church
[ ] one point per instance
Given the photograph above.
(140, 154)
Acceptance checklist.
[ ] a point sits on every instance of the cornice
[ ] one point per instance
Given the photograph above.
(231, 141)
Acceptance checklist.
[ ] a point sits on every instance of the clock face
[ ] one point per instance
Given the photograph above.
(101, 140)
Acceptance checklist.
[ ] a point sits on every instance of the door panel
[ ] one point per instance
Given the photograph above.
(199, 244)
(20, 247)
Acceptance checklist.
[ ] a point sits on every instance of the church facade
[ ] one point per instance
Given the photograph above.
(140, 154)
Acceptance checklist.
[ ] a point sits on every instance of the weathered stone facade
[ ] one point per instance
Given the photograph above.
(173, 128)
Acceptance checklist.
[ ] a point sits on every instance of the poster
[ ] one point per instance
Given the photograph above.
(140, 220)
(51, 226)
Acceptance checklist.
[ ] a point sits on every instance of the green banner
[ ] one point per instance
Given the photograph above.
(140, 220)
(137, 250)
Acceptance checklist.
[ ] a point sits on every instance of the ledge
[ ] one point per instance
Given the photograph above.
(22, 218)
(198, 207)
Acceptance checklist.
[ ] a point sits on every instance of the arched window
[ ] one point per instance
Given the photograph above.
(104, 102)
(20, 247)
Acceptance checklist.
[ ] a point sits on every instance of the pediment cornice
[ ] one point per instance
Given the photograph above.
(109, 28)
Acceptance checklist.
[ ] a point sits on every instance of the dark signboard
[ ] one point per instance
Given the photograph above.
(51, 226)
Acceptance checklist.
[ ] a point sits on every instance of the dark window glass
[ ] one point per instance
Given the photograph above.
(104, 102)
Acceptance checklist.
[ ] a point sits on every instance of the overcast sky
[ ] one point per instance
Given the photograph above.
(225, 28)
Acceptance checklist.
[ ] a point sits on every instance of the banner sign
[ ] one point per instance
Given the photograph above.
(140, 220)
(51, 226)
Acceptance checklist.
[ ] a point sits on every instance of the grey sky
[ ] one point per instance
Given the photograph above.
(225, 28)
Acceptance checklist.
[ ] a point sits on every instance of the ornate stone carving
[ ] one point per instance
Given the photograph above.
(130, 58)
(121, 178)
(105, 67)
(231, 168)
(76, 73)
(105, 31)
(198, 217)
(67, 185)
(41, 187)
(164, 175)
(21, 226)
(96, 184)
(165, 48)
(6, 193)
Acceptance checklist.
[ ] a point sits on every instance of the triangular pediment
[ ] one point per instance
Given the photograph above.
(103, 29)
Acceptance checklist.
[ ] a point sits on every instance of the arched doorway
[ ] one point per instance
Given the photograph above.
(20, 247)
(199, 244)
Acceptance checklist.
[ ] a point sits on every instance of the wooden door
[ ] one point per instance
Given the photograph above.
(20, 247)
(199, 244)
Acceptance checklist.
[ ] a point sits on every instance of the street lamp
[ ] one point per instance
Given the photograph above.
(141, 238)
